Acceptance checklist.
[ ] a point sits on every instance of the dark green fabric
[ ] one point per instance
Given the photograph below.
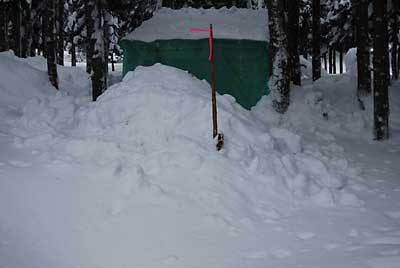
(241, 65)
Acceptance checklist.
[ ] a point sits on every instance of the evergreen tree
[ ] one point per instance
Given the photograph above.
(280, 77)
(381, 68)
(74, 28)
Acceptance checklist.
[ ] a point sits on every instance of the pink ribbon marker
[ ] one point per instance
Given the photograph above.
(210, 31)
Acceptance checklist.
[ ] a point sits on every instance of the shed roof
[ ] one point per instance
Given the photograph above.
(232, 23)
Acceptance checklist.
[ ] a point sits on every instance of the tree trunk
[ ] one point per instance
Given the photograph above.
(395, 41)
(316, 42)
(51, 43)
(381, 63)
(89, 22)
(73, 54)
(293, 40)
(330, 60)
(112, 62)
(16, 27)
(26, 36)
(334, 60)
(44, 30)
(341, 60)
(280, 78)
(106, 45)
(3, 26)
(60, 32)
(362, 42)
(98, 61)
(325, 61)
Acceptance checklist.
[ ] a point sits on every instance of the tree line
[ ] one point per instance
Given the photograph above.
(316, 29)
(91, 27)
(336, 26)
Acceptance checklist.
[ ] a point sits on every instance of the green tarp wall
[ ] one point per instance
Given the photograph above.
(242, 66)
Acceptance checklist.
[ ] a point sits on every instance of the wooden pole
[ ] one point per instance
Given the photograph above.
(214, 94)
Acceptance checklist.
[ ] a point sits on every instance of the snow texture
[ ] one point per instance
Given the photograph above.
(134, 180)
(233, 23)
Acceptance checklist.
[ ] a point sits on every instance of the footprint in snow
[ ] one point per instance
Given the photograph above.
(17, 163)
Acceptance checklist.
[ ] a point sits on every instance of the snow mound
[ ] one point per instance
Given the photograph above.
(154, 130)
(232, 23)
(15, 75)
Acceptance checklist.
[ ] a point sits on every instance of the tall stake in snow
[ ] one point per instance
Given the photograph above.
(214, 94)
(381, 68)
(220, 140)
(279, 83)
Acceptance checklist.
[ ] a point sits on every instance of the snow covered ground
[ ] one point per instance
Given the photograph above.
(134, 180)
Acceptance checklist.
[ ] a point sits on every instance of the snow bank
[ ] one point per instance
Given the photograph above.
(20, 82)
(233, 23)
(159, 118)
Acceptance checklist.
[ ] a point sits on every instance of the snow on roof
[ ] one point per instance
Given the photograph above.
(233, 23)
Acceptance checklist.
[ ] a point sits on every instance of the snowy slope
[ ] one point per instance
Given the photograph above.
(232, 23)
(134, 180)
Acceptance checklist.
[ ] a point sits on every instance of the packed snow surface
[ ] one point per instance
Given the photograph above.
(134, 180)
(232, 23)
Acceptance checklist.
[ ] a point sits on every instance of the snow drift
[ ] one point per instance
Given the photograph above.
(134, 179)
(158, 122)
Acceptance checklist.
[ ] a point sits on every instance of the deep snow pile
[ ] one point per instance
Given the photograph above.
(157, 122)
(134, 179)
(228, 23)
(15, 76)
